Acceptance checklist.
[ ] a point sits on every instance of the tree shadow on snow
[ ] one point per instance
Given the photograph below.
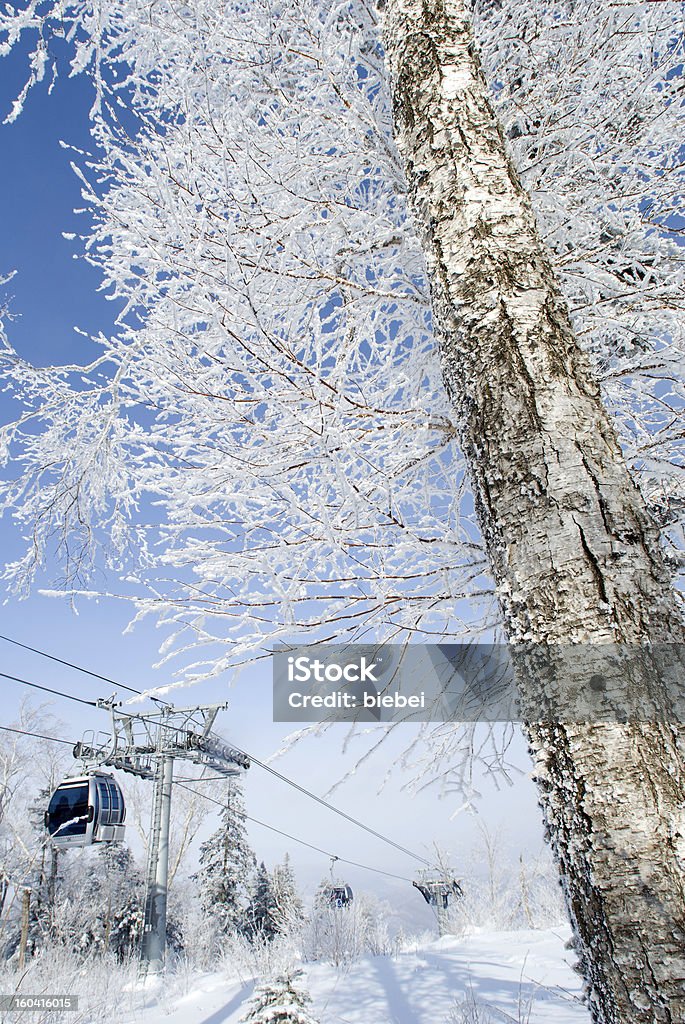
(483, 980)
(221, 1015)
(398, 1006)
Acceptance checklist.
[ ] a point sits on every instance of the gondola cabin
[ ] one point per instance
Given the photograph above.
(438, 892)
(340, 896)
(85, 810)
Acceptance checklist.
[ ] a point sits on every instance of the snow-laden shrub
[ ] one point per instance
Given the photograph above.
(470, 1010)
(101, 983)
(248, 959)
(279, 1001)
(342, 934)
(203, 939)
(503, 892)
(523, 895)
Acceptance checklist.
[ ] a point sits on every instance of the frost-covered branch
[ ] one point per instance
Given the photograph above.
(264, 449)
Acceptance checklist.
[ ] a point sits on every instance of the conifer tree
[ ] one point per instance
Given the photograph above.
(226, 866)
(261, 917)
(279, 1002)
(289, 907)
(124, 911)
(110, 894)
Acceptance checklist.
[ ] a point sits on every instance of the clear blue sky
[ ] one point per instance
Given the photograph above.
(51, 294)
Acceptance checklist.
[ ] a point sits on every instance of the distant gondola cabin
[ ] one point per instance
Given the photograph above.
(85, 810)
(340, 896)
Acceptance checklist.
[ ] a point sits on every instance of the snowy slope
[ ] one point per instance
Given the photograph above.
(523, 977)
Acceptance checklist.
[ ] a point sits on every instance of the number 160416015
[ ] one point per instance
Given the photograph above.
(42, 1002)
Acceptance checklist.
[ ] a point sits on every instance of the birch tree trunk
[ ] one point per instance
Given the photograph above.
(575, 556)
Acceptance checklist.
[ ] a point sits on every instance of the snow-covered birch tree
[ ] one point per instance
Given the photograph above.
(573, 550)
(304, 246)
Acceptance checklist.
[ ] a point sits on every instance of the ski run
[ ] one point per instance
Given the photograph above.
(485, 977)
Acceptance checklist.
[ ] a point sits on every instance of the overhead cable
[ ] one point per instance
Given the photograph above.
(302, 842)
(332, 807)
(38, 735)
(47, 689)
(69, 664)
(256, 821)
(255, 760)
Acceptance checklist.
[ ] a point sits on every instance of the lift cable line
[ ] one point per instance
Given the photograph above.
(47, 689)
(320, 800)
(253, 760)
(70, 664)
(256, 821)
(37, 735)
(302, 842)
(336, 810)
(98, 703)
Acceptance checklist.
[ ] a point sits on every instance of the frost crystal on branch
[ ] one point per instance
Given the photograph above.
(268, 427)
(264, 448)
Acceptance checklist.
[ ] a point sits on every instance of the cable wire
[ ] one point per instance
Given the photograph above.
(332, 807)
(256, 821)
(38, 735)
(47, 689)
(254, 760)
(302, 842)
(69, 664)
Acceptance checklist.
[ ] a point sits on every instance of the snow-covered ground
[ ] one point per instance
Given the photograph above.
(522, 976)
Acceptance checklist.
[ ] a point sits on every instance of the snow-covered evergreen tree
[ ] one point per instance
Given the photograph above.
(261, 915)
(124, 910)
(289, 907)
(279, 1002)
(102, 901)
(226, 866)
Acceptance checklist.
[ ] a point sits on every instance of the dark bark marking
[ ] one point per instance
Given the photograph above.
(593, 563)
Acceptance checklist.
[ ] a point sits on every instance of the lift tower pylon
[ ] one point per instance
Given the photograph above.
(147, 745)
(157, 878)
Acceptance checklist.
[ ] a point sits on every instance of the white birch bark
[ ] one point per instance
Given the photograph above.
(574, 553)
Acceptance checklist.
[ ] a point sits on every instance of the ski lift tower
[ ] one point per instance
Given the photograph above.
(147, 745)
